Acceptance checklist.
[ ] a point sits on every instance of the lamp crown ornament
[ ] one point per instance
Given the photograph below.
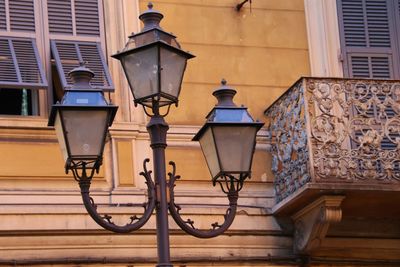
(81, 77)
(151, 18)
(224, 95)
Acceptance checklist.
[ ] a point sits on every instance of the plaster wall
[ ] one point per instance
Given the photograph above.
(260, 51)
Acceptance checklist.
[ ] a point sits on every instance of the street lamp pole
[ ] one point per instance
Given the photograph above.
(157, 129)
(154, 64)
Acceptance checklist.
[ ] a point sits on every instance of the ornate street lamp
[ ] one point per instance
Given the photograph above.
(81, 121)
(228, 140)
(154, 65)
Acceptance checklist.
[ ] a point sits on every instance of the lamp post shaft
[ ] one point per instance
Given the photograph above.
(157, 129)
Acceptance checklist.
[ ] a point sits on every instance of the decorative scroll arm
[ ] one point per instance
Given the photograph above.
(105, 220)
(188, 225)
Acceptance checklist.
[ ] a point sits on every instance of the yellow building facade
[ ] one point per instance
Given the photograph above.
(261, 50)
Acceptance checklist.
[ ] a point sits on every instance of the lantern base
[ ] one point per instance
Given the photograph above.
(80, 168)
(231, 182)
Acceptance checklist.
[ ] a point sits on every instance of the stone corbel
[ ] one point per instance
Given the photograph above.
(312, 223)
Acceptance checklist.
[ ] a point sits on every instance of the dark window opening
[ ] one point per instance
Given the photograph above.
(16, 102)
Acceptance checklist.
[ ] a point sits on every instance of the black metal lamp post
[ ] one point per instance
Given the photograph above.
(154, 65)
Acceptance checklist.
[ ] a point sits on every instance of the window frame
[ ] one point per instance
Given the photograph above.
(42, 36)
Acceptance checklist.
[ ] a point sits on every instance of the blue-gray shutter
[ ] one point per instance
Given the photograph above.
(20, 65)
(84, 16)
(86, 13)
(369, 44)
(22, 15)
(368, 41)
(60, 16)
(87, 17)
(68, 54)
(3, 18)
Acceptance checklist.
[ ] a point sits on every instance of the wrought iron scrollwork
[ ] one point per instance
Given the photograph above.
(335, 130)
(80, 172)
(289, 145)
(359, 141)
(188, 225)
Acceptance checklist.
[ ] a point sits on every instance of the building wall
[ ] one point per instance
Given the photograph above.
(260, 51)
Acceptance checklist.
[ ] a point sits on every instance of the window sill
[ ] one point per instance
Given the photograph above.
(24, 122)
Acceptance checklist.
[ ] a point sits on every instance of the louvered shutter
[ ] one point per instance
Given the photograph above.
(20, 65)
(22, 16)
(74, 17)
(369, 45)
(68, 54)
(368, 38)
(87, 17)
(79, 21)
(3, 18)
(17, 15)
(60, 16)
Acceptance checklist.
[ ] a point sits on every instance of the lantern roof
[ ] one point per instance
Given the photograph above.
(81, 94)
(226, 112)
(151, 34)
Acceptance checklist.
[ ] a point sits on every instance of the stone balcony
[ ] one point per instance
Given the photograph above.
(335, 149)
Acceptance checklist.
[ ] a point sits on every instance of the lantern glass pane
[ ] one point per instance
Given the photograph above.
(210, 153)
(141, 69)
(172, 69)
(60, 136)
(235, 145)
(85, 131)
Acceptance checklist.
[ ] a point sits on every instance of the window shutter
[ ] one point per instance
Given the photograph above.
(368, 38)
(3, 18)
(68, 54)
(84, 22)
(370, 66)
(87, 17)
(21, 66)
(368, 41)
(79, 21)
(22, 15)
(60, 16)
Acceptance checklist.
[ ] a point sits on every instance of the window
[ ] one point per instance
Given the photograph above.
(370, 46)
(21, 70)
(370, 41)
(370, 38)
(40, 38)
(76, 35)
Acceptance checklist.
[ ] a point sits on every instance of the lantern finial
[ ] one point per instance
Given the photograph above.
(81, 76)
(225, 95)
(151, 18)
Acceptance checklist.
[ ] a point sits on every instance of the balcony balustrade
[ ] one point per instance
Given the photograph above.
(335, 149)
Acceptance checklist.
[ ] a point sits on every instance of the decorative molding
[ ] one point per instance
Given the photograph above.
(121, 19)
(312, 223)
(323, 38)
